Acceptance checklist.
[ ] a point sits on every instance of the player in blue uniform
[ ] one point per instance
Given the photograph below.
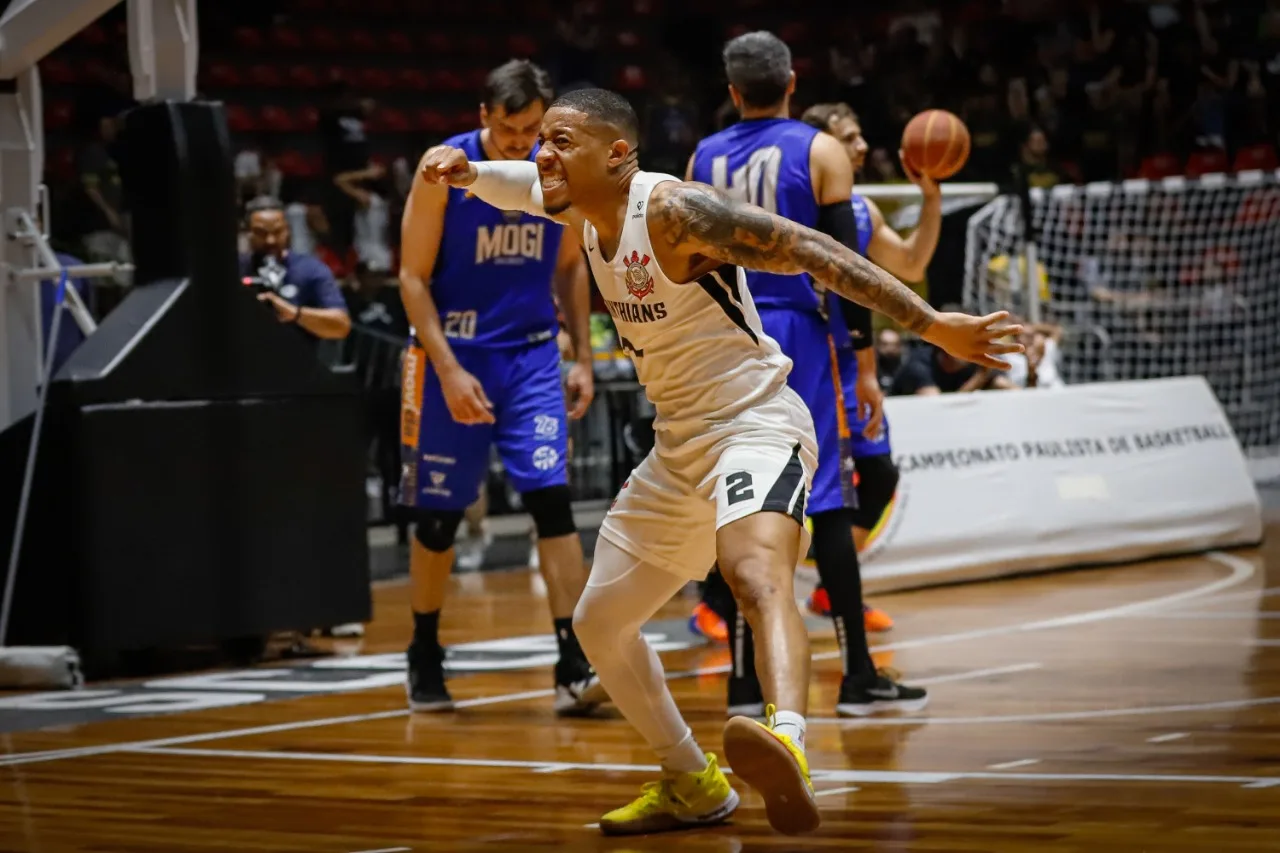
(907, 258)
(802, 174)
(483, 369)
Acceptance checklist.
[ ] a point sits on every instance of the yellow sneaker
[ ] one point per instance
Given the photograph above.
(677, 801)
(771, 764)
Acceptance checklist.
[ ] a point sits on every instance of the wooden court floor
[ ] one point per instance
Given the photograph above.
(1120, 709)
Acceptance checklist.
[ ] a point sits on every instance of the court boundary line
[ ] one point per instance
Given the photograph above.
(1240, 570)
(900, 777)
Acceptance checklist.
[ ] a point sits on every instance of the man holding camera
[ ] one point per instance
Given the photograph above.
(299, 287)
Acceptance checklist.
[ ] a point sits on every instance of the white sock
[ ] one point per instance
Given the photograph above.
(791, 724)
(683, 757)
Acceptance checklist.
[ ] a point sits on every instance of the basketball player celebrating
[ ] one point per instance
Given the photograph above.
(907, 258)
(734, 447)
(796, 171)
(485, 368)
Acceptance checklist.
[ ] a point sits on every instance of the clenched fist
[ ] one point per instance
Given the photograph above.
(444, 164)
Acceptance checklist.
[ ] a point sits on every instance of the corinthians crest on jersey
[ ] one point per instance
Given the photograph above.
(639, 281)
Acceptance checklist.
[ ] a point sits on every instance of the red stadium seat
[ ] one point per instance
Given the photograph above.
(474, 79)
(1158, 166)
(248, 39)
(629, 39)
(240, 120)
(462, 121)
(522, 45)
(413, 79)
(57, 72)
(278, 120)
(287, 38)
(631, 78)
(362, 41)
(323, 40)
(390, 120)
(308, 118)
(1206, 161)
(374, 79)
(438, 44)
(265, 77)
(1260, 156)
(58, 115)
(304, 77)
(803, 66)
(60, 163)
(399, 42)
(431, 121)
(222, 75)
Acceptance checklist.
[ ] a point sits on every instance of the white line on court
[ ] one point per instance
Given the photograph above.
(388, 850)
(891, 777)
(848, 789)
(1172, 736)
(1010, 765)
(1241, 569)
(1051, 717)
(1211, 614)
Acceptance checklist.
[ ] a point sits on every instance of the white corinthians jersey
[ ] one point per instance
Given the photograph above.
(698, 348)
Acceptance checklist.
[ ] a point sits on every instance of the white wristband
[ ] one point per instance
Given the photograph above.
(509, 185)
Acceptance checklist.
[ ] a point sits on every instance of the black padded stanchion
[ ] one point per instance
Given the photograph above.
(203, 477)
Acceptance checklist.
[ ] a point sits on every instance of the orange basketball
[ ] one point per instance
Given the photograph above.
(936, 143)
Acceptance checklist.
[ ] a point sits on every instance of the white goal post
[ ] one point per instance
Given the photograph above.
(1150, 279)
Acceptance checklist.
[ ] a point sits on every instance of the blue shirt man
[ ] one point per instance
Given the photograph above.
(483, 370)
(792, 169)
(299, 288)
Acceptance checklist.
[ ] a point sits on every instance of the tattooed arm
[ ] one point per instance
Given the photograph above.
(698, 219)
(695, 221)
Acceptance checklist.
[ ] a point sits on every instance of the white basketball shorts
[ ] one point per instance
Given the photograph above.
(669, 509)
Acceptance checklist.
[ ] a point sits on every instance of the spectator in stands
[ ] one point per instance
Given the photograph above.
(579, 36)
(888, 358)
(369, 188)
(103, 227)
(298, 287)
(1036, 164)
(931, 371)
(1039, 366)
(345, 141)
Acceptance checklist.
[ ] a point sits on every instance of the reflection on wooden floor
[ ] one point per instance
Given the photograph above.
(1121, 709)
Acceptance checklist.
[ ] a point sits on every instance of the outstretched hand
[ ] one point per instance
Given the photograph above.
(443, 164)
(976, 339)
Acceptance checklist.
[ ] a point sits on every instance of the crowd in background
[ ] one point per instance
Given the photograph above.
(1074, 90)
(1077, 89)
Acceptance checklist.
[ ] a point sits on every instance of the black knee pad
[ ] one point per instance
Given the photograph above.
(552, 511)
(435, 529)
(877, 481)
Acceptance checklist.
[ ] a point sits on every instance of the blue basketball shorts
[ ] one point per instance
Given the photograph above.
(861, 446)
(815, 376)
(443, 462)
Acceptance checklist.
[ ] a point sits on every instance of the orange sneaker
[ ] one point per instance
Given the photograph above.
(875, 620)
(706, 623)
(819, 603)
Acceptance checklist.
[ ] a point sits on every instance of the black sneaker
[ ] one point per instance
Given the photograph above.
(426, 680)
(578, 689)
(883, 694)
(745, 697)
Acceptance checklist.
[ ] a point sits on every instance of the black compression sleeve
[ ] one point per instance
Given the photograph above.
(837, 220)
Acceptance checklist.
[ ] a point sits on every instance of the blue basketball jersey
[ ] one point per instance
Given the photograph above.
(862, 216)
(766, 162)
(492, 281)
